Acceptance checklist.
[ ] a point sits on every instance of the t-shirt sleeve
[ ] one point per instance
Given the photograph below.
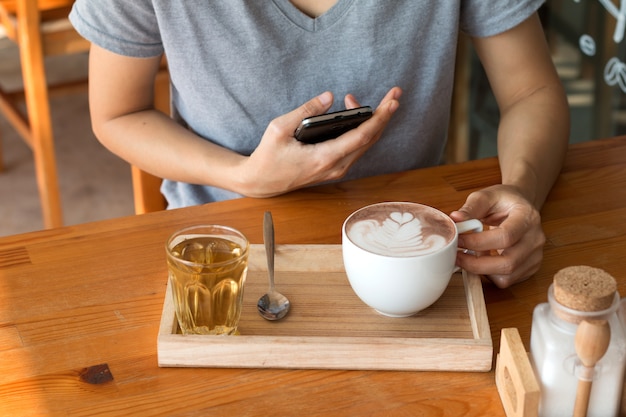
(124, 27)
(480, 18)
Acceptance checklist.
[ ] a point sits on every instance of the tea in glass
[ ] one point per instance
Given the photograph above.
(207, 271)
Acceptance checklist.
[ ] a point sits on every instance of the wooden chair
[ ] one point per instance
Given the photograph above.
(40, 28)
(147, 187)
(458, 147)
(147, 192)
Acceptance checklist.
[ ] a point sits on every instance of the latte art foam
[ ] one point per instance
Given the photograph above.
(400, 233)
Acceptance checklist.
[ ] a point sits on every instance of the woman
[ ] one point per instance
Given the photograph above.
(244, 74)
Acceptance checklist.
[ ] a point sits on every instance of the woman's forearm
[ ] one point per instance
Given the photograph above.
(532, 142)
(534, 123)
(157, 144)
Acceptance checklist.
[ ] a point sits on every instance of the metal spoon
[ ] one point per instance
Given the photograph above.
(273, 305)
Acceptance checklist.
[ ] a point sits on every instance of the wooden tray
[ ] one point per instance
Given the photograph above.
(328, 327)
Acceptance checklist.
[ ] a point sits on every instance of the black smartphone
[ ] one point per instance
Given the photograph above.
(331, 125)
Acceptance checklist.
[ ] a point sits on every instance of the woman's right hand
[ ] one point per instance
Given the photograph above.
(281, 163)
(124, 120)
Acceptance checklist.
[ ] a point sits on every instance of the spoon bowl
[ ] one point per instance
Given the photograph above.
(272, 305)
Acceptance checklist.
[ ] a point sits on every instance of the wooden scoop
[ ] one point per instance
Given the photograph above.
(591, 343)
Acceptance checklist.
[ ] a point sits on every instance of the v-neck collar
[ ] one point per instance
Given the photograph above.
(311, 24)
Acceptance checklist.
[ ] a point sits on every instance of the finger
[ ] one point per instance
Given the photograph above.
(476, 206)
(513, 261)
(368, 132)
(459, 216)
(503, 270)
(316, 106)
(346, 149)
(371, 129)
(520, 222)
(393, 94)
(351, 102)
(508, 265)
(511, 231)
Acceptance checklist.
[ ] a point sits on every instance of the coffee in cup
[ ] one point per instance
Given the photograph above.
(399, 256)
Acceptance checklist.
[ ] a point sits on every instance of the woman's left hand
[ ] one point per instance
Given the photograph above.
(510, 250)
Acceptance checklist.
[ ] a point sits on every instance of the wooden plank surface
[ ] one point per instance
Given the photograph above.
(74, 298)
(328, 327)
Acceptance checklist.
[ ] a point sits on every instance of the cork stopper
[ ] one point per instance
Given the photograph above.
(584, 288)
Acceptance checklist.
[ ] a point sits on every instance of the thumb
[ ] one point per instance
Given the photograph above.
(316, 106)
(476, 207)
(287, 123)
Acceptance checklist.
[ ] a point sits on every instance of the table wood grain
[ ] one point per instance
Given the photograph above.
(80, 305)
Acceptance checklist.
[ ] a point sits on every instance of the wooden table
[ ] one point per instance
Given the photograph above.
(77, 297)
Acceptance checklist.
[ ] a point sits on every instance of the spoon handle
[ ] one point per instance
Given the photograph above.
(583, 392)
(591, 342)
(268, 239)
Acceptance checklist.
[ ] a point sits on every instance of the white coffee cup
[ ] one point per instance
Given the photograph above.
(399, 256)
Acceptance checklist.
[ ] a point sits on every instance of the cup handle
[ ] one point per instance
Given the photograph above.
(472, 225)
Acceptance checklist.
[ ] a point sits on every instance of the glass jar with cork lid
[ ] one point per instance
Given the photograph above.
(578, 345)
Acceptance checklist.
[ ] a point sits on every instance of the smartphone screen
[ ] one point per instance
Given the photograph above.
(331, 125)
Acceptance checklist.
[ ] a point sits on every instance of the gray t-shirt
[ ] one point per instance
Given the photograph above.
(235, 65)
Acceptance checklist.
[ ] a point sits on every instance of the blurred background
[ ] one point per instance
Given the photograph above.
(587, 44)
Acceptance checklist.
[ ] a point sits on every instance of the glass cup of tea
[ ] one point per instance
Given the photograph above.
(399, 256)
(207, 268)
